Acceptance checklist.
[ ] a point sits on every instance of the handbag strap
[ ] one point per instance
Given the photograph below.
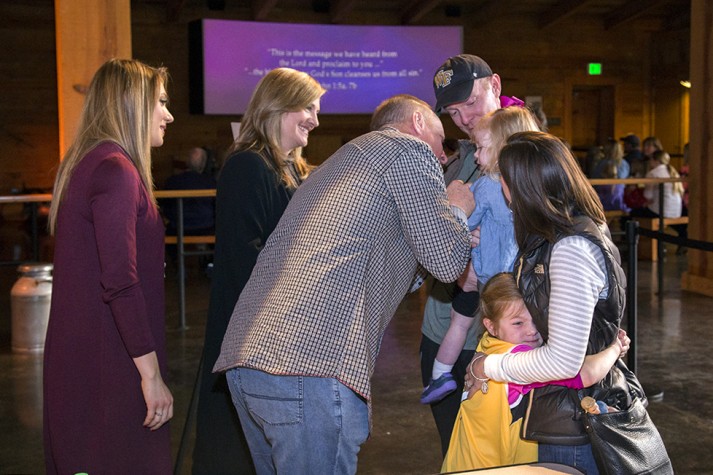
(526, 417)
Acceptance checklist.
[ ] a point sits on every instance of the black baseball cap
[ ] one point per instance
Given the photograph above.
(631, 139)
(453, 81)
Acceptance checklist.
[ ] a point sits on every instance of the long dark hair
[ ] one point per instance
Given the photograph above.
(547, 187)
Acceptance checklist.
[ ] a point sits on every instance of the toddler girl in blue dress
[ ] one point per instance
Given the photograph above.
(497, 249)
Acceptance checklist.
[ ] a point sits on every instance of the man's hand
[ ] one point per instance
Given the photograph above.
(459, 195)
(475, 237)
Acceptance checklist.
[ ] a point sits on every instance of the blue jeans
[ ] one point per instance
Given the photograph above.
(299, 424)
(578, 456)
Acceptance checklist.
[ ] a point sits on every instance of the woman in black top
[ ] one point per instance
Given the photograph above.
(254, 187)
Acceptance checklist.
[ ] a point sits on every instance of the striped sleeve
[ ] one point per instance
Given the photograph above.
(578, 280)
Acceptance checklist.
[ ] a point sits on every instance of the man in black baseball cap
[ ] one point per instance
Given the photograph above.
(632, 140)
(632, 150)
(454, 80)
(467, 89)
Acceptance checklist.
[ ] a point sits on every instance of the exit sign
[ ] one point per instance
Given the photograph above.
(595, 69)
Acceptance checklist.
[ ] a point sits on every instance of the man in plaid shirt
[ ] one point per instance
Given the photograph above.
(359, 233)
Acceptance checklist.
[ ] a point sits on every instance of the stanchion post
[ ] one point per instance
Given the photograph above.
(653, 393)
(632, 238)
(660, 244)
(190, 418)
(181, 268)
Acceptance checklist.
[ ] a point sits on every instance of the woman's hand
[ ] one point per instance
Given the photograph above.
(596, 366)
(624, 341)
(475, 378)
(158, 398)
(159, 403)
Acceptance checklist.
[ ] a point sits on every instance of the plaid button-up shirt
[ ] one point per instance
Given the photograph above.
(348, 248)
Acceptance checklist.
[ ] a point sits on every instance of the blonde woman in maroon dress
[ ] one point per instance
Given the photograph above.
(106, 406)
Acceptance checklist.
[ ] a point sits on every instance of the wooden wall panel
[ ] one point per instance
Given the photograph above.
(670, 59)
(670, 103)
(28, 97)
(88, 32)
(699, 277)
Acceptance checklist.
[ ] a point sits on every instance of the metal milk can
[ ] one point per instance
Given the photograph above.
(30, 307)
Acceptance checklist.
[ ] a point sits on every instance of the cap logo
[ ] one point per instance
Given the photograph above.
(443, 78)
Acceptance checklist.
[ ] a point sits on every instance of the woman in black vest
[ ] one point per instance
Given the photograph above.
(570, 274)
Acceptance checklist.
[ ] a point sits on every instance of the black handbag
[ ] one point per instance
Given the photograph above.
(627, 442)
(624, 442)
(554, 416)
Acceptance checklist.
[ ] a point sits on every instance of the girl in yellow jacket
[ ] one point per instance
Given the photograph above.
(487, 429)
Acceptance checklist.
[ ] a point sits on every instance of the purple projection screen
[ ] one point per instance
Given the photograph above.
(359, 66)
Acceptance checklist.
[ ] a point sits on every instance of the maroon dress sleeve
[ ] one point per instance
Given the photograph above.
(116, 201)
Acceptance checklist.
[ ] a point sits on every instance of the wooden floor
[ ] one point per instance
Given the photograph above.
(675, 332)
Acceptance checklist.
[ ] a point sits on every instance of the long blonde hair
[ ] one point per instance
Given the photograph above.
(665, 159)
(118, 108)
(501, 124)
(614, 152)
(282, 90)
(654, 142)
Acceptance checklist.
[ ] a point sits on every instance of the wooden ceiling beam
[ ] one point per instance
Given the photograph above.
(629, 11)
(679, 19)
(261, 8)
(493, 9)
(173, 9)
(561, 11)
(341, 9)
(412, 14)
